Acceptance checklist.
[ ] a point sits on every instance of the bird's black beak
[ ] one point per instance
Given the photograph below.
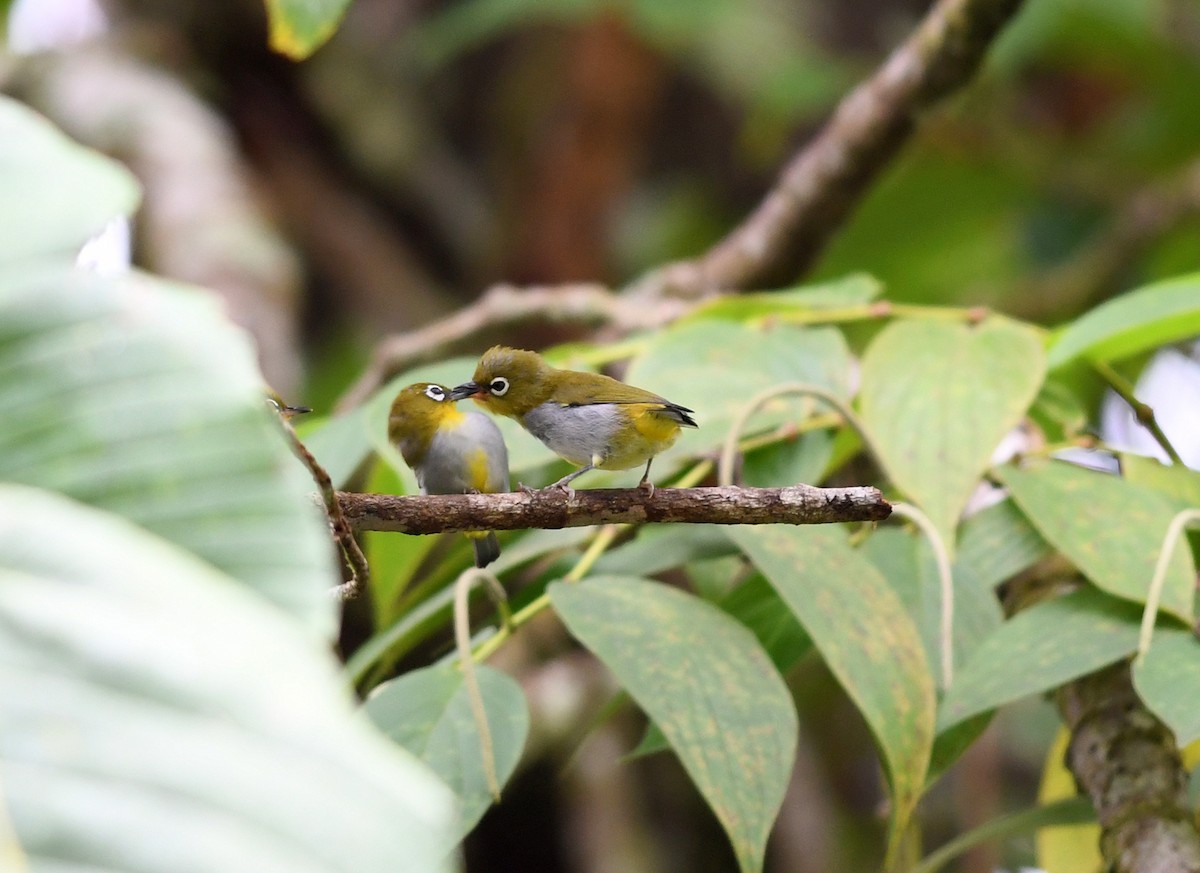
(465, 390)
(296, 410)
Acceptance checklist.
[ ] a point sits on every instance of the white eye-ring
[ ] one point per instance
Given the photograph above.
(498, 386)
(435, 392)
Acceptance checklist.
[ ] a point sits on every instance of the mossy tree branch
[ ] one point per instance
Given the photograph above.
(555, 508)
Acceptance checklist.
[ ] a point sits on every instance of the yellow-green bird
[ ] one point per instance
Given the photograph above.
(451, 451)
(593, 421)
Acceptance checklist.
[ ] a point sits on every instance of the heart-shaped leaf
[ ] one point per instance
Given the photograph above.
(937, 397)
(707, 683)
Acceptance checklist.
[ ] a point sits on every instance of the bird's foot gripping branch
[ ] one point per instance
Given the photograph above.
(556, 508)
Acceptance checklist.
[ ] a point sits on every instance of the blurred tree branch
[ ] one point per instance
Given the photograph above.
(822, 184)
(554, 508)
(781, 238)
(1127, 763)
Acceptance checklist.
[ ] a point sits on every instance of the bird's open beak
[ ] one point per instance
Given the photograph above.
(465, 390)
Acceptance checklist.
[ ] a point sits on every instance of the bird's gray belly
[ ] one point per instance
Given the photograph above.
(577, 433)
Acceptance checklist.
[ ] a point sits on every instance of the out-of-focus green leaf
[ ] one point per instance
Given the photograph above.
(995, 544)
(1168, 680)
(428, 713)
(1111, 529)
(1134, 322)
(57, 194)
(937, 398)
(1178, 483)
(716, 367)
(852, 290)
(137, 396)
(659, 548)
(865, 635)
(393, 557)
(1041, 648)
(1059, 411)
(789, 462)
(155, 715)
(706, 682)
(300, 27)
(1063, 812)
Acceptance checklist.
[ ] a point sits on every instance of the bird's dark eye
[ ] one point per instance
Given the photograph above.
(435, 392)
(498, 386)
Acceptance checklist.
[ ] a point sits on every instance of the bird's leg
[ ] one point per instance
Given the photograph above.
(646, 485)
(564, 483)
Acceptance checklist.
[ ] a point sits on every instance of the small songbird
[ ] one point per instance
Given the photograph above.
(451, 451)
(593, 421)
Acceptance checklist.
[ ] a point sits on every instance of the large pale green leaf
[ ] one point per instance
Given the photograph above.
(427, 712)
(865, 635)
(716, 367)
(1111, 529)
(1041, 648)
(156, 715)
(1134, 322)
(55, 193)
(707, 683)
(937, 398)
(1168, 680)
(137, 396)
(300, 27)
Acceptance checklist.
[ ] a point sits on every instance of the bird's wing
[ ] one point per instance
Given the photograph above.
(584, 389)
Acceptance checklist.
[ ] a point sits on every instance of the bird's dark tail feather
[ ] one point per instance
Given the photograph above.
(487, 549)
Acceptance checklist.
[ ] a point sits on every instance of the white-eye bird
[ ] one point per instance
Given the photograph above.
(451, 451)
(593, 421)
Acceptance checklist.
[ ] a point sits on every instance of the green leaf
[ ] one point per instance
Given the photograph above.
(57, 194)
(137, 396)
(156, 715)
(427, 712)
(1168, 681)
(906, 560)
(937, 398)
(1041, 648)
(863, 632)
(1074, 810)
(661, 547)
(788, 462)
(996, 544)
(852, 290)
(716, 367)
(1134, 322)
(300, 27)
(1178, 483)
(341, 443)
(1111, 529)
(707, 683)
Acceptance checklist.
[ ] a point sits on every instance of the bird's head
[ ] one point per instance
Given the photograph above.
(509, 381)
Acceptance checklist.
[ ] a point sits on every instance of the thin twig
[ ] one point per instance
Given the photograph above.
(1154, 596)
(554, 508)
(462, 641)
(343, 533)
(945, 579)
(1143, 413)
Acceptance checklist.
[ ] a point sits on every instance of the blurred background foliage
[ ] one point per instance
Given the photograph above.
(435, 147)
